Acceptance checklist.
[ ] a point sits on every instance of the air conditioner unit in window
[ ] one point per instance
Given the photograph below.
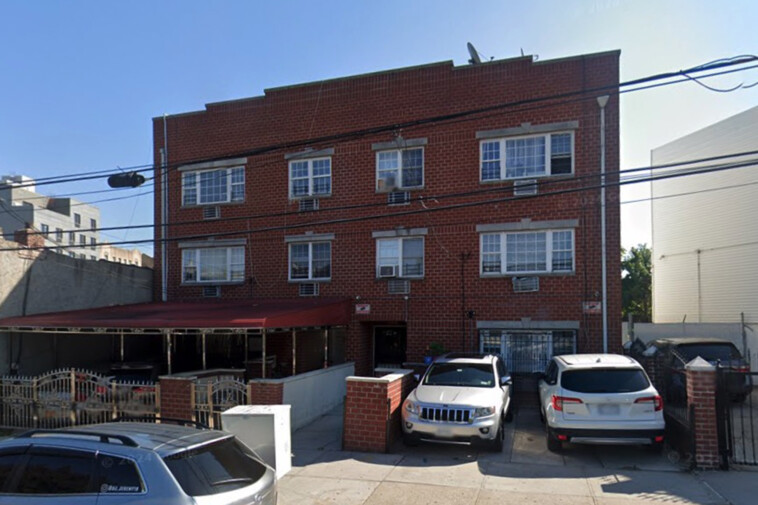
(525, 187)
(213, 212)
(211, 291)
(526, 284)
(308, 289)
(388, 271)
(399, 198)
(308, 204)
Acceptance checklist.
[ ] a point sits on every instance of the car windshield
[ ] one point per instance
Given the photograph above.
(460, 374)
(605, 380)
(709, 352)
(215, 468)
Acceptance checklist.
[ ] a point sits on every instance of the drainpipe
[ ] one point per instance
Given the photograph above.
(164, 211)
(602, 101)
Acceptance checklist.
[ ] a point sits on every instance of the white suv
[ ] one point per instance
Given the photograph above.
(461, 398)
(599, 399)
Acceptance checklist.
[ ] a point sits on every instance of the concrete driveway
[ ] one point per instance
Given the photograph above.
(525, 472)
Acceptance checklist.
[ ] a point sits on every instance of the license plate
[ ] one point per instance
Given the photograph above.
(608, 410)
(444, 432)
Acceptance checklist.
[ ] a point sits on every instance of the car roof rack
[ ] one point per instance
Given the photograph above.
(105, 438)
(162, 420)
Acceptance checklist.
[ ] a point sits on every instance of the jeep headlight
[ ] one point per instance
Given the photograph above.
(484, 411)
(412, 407)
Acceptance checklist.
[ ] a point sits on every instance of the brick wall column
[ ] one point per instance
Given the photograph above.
(176, 399)
(265, 392)
(701, 397)
(372, 411)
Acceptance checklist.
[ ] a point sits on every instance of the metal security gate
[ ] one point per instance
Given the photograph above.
(214, 395)
(72, 397)
(737, 411)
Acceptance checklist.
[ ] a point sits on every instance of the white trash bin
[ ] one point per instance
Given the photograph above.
(266, 430)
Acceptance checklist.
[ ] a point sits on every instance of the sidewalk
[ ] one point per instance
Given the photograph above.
(524, 473)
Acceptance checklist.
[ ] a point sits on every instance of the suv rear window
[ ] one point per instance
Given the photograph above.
(215, 468)
(605, 380)
(460, 374)
(709, 352)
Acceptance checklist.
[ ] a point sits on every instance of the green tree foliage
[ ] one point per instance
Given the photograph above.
(636, 292)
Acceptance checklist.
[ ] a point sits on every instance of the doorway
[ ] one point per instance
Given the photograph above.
(389, 346)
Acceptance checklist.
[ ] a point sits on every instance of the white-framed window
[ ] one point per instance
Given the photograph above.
(533, 252)
(45, 229)
(213, 264)
(405, 254)
(207, 187)
(400, 169)
(310, 261)
(311, 177)
(527, 156)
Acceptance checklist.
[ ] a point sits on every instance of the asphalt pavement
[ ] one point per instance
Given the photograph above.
(524, 473)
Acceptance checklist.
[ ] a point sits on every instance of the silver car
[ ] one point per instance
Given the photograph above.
(132, 463)
(461, 398)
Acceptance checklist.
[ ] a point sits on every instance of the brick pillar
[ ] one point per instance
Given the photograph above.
(265, 392)
(176, 398)
(701, 399)
(372, 411)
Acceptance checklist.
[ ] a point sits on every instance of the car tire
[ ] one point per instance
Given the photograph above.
(553, 444)
(410, 440)
(496, 445)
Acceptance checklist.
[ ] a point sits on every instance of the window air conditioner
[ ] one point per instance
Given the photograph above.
(388, 271)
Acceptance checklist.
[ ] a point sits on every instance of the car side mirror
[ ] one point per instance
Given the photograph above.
(417, 377)
(506, 380)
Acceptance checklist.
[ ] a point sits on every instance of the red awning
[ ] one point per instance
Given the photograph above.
(254, 314)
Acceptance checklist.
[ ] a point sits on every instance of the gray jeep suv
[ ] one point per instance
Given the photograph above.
(461, 398)
(131, 463)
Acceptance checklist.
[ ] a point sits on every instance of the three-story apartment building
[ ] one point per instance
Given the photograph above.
(456, 207)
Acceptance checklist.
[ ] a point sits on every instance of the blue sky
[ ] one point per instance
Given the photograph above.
(80, 81)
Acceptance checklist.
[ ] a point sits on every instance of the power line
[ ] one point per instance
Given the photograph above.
(311, 224)
(612, 88)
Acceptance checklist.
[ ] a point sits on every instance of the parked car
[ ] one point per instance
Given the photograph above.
(677, 352)
(460, 398)
(131, 463)
(599, 399)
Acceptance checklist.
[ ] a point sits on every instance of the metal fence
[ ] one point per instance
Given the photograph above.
(737, 411)
(70, 397)
(213, 395)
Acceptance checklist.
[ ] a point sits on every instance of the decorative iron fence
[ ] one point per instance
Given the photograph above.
(71, 397)
(213, 395)
(737, 411)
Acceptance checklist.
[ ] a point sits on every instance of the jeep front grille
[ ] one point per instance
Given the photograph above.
(446, 415)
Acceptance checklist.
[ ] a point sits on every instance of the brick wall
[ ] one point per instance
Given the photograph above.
(265, 392)
(701, 394)
(372, 411)
(432, 312)
(176, 399)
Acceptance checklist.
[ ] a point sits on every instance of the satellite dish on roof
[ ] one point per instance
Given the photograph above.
(473, 53)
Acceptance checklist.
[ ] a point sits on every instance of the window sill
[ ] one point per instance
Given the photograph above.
(526, 274)
(200, 205)
(211, 283)
(308, 197)
(534, 177)
(400, 278)
(309, 281)
(398, 190)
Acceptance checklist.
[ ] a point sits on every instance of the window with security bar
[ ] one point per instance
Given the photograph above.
(405, 255)
(527, 351)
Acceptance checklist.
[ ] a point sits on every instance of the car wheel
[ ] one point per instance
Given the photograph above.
(553, 444)
(410, 440)
(496, 445)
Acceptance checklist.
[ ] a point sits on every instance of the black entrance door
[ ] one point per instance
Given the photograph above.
(389, 346)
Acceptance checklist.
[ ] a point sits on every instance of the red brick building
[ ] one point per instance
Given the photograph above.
(445, 202)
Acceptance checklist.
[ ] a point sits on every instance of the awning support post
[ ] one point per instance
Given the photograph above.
(263, 353)
(168, 350)
(326, 348)
(294, 352)
(121, 346)
(202, 336)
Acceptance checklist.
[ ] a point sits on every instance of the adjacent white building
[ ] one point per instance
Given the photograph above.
(705, 228)
(63, 221)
